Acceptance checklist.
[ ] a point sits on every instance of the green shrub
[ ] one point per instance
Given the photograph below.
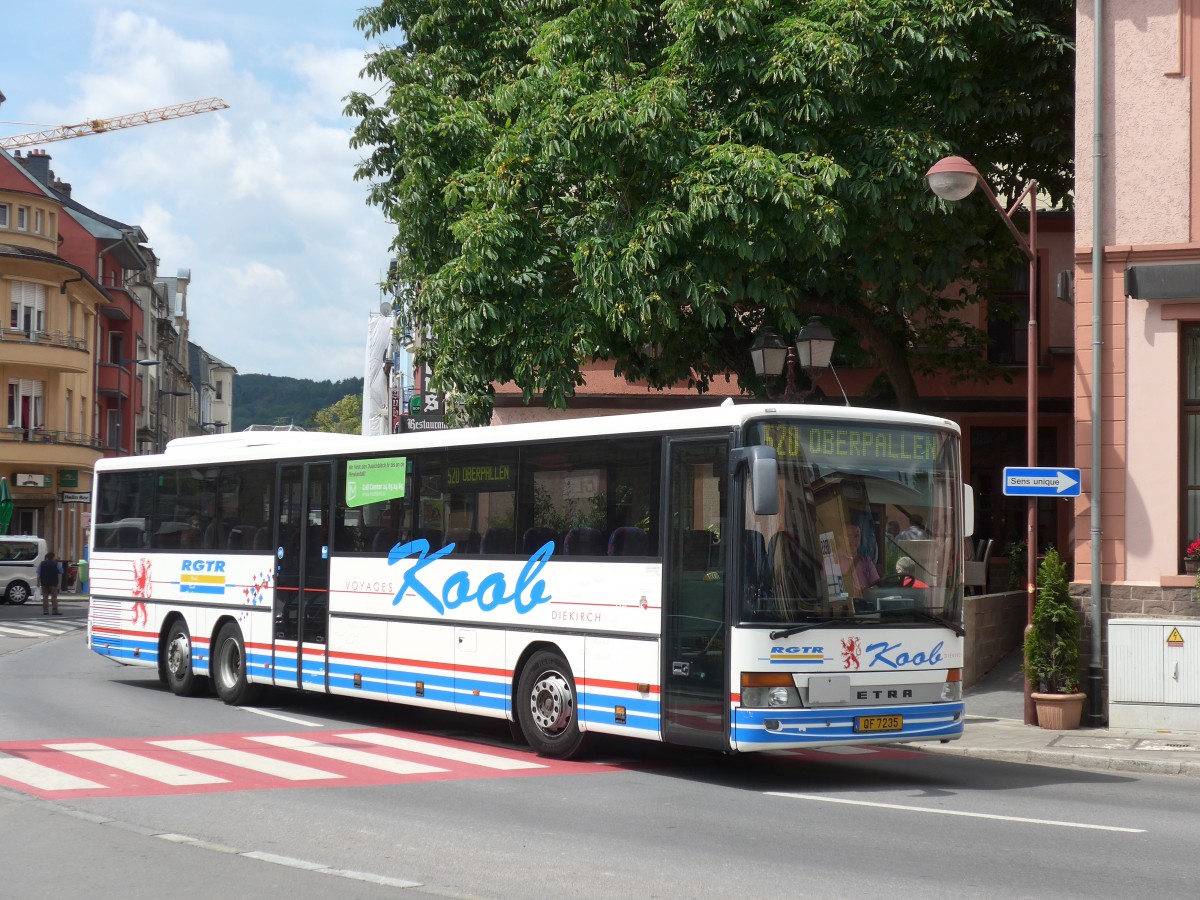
(1052, 644)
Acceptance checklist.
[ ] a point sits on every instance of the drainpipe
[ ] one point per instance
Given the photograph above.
(1096, 668)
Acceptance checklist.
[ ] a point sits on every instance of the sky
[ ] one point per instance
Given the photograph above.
(258, 200)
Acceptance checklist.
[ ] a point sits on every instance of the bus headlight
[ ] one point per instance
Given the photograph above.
(769, 690)
(952, 689)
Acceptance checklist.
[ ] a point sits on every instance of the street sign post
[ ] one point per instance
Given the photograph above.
(1041, 481)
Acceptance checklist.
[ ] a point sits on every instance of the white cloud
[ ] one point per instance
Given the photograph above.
(258, 200)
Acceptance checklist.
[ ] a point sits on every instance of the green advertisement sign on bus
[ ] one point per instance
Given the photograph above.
(375, 480)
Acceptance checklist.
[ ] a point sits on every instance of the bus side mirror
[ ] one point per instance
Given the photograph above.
(763, 468)
(968, 510)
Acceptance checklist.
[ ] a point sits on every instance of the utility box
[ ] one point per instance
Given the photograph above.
(1154, 674)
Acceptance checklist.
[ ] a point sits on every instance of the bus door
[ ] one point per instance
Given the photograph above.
(301, 609)
(695, 634)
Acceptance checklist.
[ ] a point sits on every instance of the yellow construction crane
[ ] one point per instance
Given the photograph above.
(97, 126)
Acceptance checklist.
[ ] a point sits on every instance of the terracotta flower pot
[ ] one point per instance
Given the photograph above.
(1059, 712)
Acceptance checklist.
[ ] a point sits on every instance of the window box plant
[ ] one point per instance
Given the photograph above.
(1052, 648)
(1191, 558)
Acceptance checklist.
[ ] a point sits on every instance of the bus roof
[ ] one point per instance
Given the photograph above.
(258, 445)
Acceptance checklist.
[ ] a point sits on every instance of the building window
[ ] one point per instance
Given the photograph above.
(28, 310)
(220, 386)
(39, 221)
(22, 218)
(4, 208)
(1008, 318)
(1190, 435)
(25, 408)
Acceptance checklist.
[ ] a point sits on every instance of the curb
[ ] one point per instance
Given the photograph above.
(1187, 768)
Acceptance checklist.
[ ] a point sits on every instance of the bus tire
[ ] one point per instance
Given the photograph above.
(547, 707)
(229, 667)
(181, 677)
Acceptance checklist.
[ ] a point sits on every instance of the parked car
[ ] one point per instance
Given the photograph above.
(20, 556)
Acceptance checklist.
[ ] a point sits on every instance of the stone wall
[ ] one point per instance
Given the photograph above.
(995, 624)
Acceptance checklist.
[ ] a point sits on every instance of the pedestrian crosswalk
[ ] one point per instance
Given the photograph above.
(229, 762)
(34, 628)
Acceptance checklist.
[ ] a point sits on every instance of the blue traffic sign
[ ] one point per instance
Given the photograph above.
(1041, 481)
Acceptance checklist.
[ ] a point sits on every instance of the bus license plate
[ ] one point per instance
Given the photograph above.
(878, 723)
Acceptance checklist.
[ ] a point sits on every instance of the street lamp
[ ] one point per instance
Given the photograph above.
(813, 352)
(158, 441)
(953, 178)
(121, 364)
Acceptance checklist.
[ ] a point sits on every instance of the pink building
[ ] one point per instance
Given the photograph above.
(1146, 229)
(1137, 267)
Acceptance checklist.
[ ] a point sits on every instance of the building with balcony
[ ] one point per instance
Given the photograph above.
(212, 380)
(50, 349)
(94, 351)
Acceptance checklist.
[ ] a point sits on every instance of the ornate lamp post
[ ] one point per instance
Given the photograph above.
(813, 352)
(954, 178)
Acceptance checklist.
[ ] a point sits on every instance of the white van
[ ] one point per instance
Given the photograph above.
(20, 556)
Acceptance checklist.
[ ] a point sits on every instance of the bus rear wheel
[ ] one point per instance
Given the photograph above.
(181, 677)
(229, 667)
(547, 707)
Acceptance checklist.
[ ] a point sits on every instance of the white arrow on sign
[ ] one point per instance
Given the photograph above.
(1065, 482)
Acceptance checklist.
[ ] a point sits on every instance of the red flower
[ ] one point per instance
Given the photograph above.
(1193, 550)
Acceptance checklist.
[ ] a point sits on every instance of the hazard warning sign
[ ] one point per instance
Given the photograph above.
(1174, 639)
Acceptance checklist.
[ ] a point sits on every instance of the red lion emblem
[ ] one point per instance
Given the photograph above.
(141, 588)
(851, 653)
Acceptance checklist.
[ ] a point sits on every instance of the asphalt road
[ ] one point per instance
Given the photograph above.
(636, 820)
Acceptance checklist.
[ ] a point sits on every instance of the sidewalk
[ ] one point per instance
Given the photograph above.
(995, 729)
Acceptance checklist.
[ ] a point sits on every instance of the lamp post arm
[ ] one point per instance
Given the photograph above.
(1029, 191)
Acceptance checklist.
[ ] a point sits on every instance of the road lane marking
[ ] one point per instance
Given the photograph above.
(443, 752)
(345, 754)
(134, 764)
(279, 716)
(41, 777)
(953, 812)
(264, 765)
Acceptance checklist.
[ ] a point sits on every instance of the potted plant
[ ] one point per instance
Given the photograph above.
(1191, 558)
(1052, 648)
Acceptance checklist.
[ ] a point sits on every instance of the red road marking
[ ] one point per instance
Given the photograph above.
(114, 782)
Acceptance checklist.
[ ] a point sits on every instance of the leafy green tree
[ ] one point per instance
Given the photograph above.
(650, 182)
(343, 417)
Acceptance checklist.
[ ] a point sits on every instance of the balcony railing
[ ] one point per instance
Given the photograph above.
(39, 435)
(53, 338)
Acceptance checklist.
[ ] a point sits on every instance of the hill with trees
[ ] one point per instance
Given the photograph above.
(279, 400)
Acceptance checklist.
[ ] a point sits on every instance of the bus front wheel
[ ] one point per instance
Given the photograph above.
(229, 667)
(547, 707)
(181, 677)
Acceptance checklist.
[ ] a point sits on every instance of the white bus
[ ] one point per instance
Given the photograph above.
(723, 577)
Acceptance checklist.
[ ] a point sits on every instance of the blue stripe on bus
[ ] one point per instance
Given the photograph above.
(649, 706)
(650, 724)
(814, 726)
(132, 650)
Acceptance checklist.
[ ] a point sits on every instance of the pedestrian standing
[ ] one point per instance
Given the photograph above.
(49, 576)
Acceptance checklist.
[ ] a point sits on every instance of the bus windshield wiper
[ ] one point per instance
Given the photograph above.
(928, 617)
(815, 623)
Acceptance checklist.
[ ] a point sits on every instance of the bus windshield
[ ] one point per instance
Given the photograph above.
(869, 526)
